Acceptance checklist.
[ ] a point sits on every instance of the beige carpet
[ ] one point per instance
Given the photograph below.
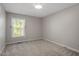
(37, 48)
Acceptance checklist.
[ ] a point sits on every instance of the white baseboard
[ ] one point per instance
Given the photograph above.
(63, 45)
(22, 41)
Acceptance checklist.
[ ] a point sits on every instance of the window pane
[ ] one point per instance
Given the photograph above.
(18, 27)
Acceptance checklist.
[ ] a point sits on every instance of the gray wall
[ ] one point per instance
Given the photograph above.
(2, 29)
(33, 30)
(63, 27)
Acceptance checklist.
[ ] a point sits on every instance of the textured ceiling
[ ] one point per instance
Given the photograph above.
(28, 8)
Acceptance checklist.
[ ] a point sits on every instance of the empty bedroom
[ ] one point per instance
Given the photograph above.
(39, 29)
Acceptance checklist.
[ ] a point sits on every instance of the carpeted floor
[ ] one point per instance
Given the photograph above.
(37, 48)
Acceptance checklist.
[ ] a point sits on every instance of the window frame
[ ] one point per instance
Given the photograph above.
(22, 28)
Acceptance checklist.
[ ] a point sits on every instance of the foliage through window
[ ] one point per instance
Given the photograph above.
(18, 27)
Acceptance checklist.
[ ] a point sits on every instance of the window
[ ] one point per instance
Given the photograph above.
(18, 26)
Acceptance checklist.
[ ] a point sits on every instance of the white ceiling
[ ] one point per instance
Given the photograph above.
(28, 8)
